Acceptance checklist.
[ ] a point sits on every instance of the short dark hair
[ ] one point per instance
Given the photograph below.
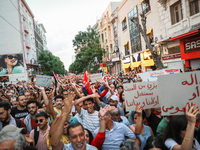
(33, 101)
(42, 114)
(47, 90)
(5, 105)
(120, 86)
(73, 125)
(64, 90)
(58, 96)
(89, 99)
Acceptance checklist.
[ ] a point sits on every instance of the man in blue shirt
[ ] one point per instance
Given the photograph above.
(115, 113)
(115, 133)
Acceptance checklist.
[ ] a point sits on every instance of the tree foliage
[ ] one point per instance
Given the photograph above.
(88, 52)
(50, 63)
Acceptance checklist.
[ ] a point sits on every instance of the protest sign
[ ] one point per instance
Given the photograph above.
(143, 94)
(94, 77)
(152, 75)
(178, 89)
(43, 81)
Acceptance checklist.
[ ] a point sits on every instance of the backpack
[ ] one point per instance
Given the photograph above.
(36, 133)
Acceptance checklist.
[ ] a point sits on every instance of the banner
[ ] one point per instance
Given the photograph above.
(143, 94)
(178, 89)
(43, 81)
(11, 64)
(4, 78)
(94, 77)
(153, 75)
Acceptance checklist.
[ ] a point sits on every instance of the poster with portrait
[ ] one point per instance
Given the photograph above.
(11, 64)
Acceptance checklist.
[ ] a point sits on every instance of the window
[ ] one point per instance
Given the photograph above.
(146, 6)
(124, 25)
(194, 7)
(126, 48)
(176, 12)
(134, 32)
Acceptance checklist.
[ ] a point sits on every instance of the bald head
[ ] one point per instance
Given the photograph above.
(115, 114)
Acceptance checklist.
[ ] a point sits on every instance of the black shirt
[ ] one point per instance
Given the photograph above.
(19, 113)
(153, 122)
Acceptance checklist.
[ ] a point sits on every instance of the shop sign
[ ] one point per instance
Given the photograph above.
(192, 45)
(102, 65)
(171, 56)
(126, 60)
(136, 57)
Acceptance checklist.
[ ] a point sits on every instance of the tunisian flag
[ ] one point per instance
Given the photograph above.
(85, 78)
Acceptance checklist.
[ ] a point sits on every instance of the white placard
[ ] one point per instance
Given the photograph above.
(153, 75)
(178, 89)
(94, 77)
(43, 81)
(143, 94)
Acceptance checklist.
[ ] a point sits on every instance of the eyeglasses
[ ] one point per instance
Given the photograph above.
(40, 120)
(11, 57)
(31, 107)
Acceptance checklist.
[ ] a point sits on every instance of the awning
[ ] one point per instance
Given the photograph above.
(135, 64)
(126, 65)
(123, 19)
(149, 62)
(142, 1)
(186, 35)
(125, 43)
(149, 31)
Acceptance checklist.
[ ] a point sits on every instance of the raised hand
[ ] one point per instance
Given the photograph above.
(68, 102)
(95, 95)
(191, 113)
(104, 110)
(139, 110)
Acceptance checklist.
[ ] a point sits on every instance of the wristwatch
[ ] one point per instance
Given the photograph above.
(102, 118)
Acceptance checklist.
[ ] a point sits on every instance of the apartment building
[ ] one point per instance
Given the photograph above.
(17, 45)
(179, 33)
(105, 29)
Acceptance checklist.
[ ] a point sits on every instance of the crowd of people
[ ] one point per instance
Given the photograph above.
(76, 114)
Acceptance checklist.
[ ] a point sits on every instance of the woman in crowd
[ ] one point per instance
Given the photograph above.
(142, 131)
(179, 134)
(155, 143)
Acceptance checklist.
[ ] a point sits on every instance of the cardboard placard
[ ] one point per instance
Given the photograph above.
(43, 81)
(153, 75)
(143, 94)
(178, 89)
(94, 77)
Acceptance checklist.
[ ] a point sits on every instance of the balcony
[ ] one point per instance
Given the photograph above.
(25, 29)
(115, 57)
(23, 13)
(27, 45)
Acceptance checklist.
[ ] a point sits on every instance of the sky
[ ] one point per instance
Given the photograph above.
(63, 19)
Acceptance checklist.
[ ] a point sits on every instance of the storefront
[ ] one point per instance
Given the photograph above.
(147, 61)
(103, 67)
(136, 62)
(126, 64)
(190, 48)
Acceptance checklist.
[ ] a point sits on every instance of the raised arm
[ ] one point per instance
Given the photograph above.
(56, 136)
(189, 135)
(138, 126)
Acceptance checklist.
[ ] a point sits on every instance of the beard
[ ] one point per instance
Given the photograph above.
(6, 118)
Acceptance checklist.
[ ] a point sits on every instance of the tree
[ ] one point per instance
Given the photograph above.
(155, 54)
(89, 52)
(50, 63)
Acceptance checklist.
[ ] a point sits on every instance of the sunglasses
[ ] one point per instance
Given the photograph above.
(11, 57)
(47, 92)
(40, 120)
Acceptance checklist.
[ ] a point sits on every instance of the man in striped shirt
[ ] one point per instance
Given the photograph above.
(90, 119)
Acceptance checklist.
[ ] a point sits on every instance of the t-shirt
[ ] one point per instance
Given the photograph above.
(161, 127)
(170, 143)
(18, 114)
(33, 123)
(90, 121)
(153, 122)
